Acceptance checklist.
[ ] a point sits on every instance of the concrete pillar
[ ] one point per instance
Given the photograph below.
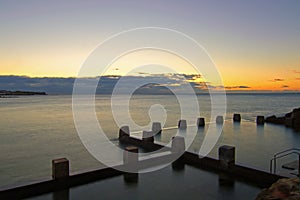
(200, 122)
(226, 156)
(260, 119)
(148, 136)
(124, 132)
(156, 128)
(178, 145)
(130, 155)
(182, 124)
(237, 117)
(219, 120)
(60, 168)
(131, 159)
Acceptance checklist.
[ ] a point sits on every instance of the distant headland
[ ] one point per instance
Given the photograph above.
(5, 93)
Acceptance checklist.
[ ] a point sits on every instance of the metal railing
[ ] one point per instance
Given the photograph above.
(282, 154)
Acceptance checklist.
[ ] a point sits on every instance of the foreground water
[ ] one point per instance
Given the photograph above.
(190, 183)
(37, 129)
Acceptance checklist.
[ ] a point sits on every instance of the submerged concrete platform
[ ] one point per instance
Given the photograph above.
(225, 166)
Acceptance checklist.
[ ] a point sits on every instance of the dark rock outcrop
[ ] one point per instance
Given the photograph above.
(275, 120)
(288, 189)
(17, 93)
(291, 119)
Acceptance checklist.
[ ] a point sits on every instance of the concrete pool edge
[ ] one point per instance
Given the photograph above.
(237, 172)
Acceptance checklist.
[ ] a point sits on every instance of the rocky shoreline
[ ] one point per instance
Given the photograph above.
(291, 119)
(7, 93)
(288, 189)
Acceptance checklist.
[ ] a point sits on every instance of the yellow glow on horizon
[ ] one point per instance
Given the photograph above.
(257, 75)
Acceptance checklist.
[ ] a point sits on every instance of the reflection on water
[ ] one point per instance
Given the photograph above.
(61, 195)
(187, 183)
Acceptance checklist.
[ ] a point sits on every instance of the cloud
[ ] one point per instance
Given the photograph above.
(156, 84)
(237, 87)
(277, 80)
(296, 71)
(143, 73)
(284, 86)
(298, 79)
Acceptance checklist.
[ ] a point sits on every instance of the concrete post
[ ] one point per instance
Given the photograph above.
(130, 155)
(60, 168)
(148, 136)
(131, 159)
(226, 156)
(237, 117)
(156, 128)
(182, 124)
(200, 122)
(178, 145)
(124, 132)
(260, 119)
(219, 120)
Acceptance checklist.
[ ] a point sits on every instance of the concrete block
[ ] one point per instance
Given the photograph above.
(219, 120)
(178, 145)
(124, 132)
(182, 124)
(156, 128)
(260, 119)
(60, 168)
(200, 122)
(237, 117)
(148, 136)
(226, 156)
(130, 155)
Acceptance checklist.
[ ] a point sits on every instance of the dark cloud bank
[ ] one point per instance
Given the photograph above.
(157, 84)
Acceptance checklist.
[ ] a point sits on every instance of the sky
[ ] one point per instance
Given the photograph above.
(254, 44)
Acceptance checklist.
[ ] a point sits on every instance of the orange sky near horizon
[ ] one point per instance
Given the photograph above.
(255, 45)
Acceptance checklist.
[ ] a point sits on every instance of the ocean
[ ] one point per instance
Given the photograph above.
(37, 129)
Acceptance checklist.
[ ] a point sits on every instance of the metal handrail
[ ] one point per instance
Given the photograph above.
(284, 154)
(291, 149)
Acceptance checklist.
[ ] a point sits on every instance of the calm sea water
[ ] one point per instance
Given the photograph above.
(37, 129)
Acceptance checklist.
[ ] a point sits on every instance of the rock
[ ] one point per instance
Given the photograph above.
(289, 122)
(17, 93)
(296, 119)
(288, 189)
(271, 119)
(288, 115)
(291, 119)
(275, 120)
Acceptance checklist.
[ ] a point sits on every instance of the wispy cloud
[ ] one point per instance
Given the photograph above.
(277, 80)
(296, 71)
(237, 87)
(143, 73)
(285, 86)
